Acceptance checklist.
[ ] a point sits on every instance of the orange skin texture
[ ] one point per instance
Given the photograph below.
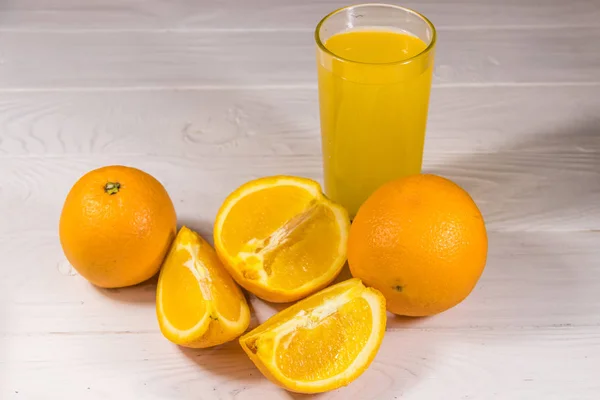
(421, 241)
(120, 239)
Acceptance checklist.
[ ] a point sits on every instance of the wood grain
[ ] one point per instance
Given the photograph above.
(546, 168)
(283, 59)
(532, 325)
(263, 122)
(206, 95)
(275, 14)
(432, 364)
(516, 192)
(532, 280)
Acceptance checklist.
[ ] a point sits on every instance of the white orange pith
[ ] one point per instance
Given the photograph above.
(322, 342)
(281, 238)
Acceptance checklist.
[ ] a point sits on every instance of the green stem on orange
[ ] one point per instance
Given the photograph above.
(112, 188)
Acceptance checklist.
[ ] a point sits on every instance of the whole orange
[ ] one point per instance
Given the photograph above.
(421, 241)
(116, 226)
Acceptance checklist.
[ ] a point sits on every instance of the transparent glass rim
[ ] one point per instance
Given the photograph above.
(324, 48)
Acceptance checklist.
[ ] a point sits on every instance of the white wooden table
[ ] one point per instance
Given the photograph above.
(206, 95)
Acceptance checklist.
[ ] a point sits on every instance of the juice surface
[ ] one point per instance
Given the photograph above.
(373, 111)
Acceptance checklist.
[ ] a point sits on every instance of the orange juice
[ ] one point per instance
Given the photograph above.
(374, 92)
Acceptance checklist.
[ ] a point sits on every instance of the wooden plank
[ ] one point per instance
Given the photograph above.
(550, 363)
(259, 122)
(532, 280)
(485, 138)
(515, 191)
(513, 119)
(233, 59)
(274, 14)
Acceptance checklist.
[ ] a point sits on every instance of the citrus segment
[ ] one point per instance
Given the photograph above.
(281, 238)
(346, 331)
(182, 299)
(198, 304)
(322, 342)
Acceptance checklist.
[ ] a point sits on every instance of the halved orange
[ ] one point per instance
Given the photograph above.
(197, 302)
(322, 342)
(281, 238)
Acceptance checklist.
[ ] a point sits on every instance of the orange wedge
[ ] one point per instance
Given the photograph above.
(281, 238)
(322, 342)
(197, 302)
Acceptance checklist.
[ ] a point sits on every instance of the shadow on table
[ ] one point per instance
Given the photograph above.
(200, 225)
(227, 360)
(144, 292)
(547, 181)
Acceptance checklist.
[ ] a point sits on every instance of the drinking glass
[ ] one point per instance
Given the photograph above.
(375, 64)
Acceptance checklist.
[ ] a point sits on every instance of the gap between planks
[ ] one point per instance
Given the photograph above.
(475, 328)
(301, 86)
(440, 28)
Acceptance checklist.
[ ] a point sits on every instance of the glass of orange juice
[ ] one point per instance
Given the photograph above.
(375, 64)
